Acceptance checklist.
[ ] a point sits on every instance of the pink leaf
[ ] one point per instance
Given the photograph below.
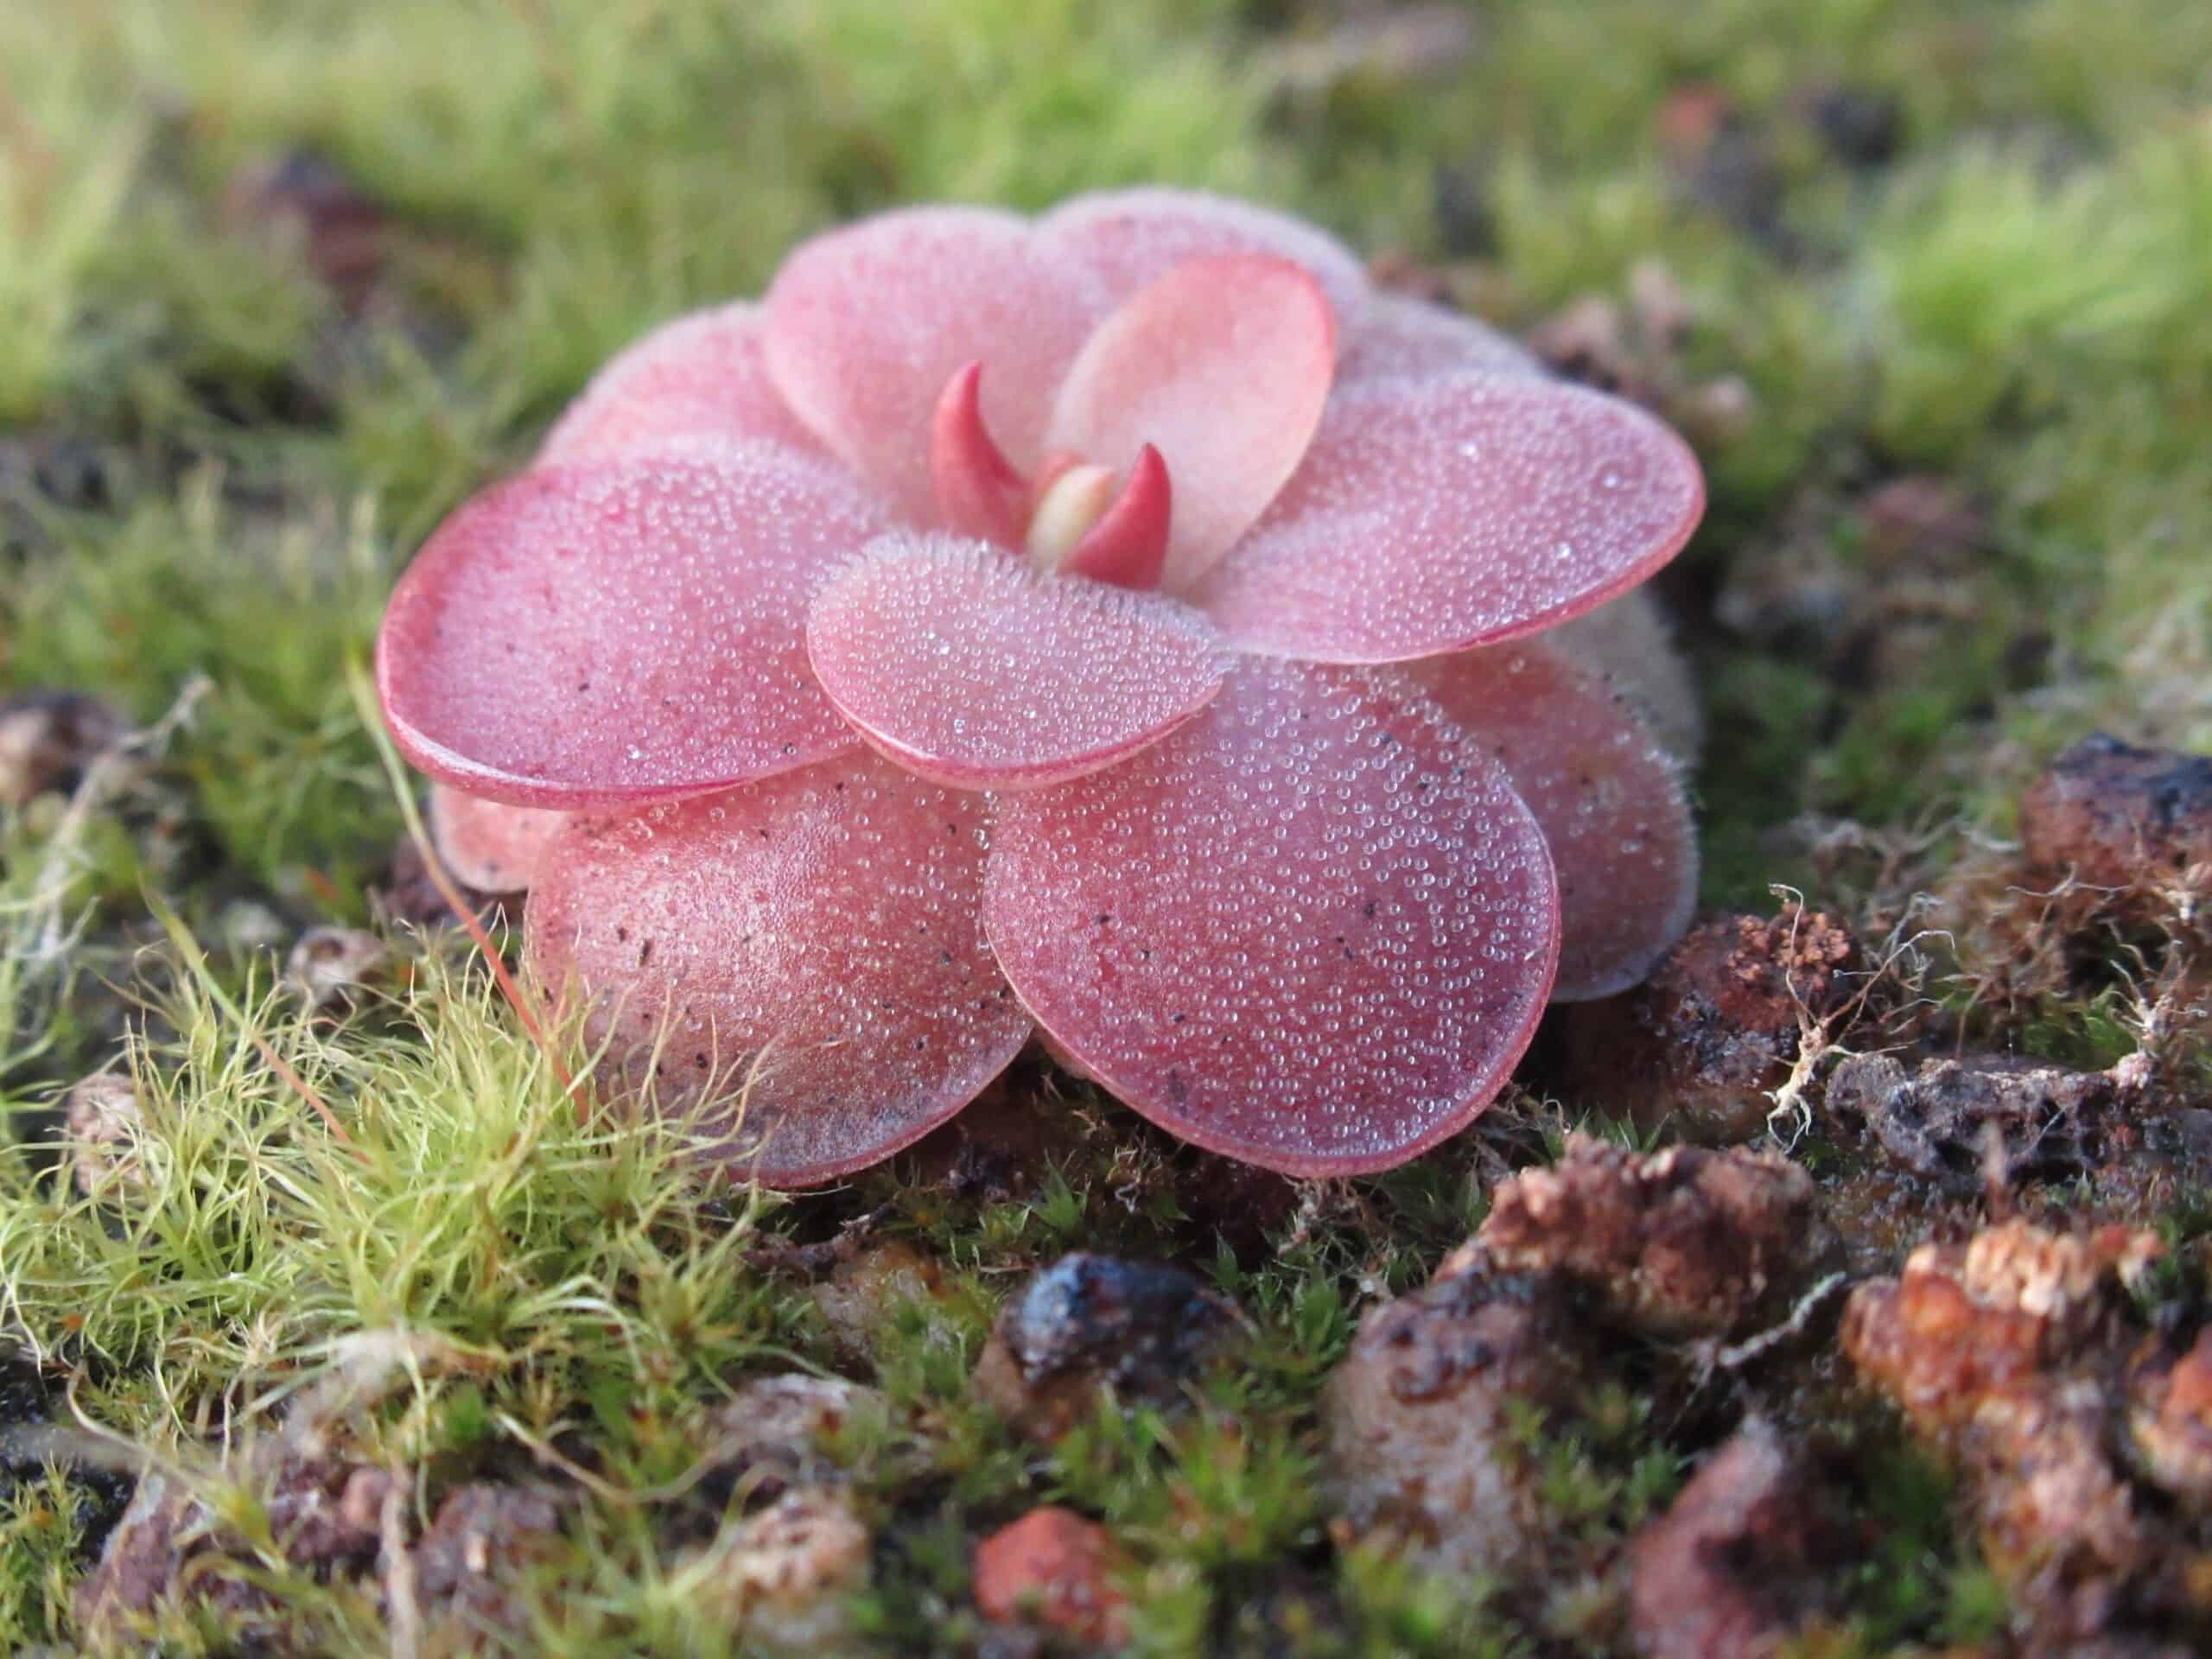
(1400, 338)
(811, 944)
(1129, 238)
(700, 377)
(867, 324)
(623, 632)
(488, 845)
(1313, 930)
(1608, 796)
(969, 667)
(1434, 515)
(1224, 365)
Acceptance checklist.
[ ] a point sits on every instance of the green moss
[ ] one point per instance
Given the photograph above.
(41, 1524)
(136, 605)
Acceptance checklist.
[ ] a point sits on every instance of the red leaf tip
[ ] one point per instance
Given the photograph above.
(978, 491)
(1128, 544)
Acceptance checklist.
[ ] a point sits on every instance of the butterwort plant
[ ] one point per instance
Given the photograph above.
(1126, 626)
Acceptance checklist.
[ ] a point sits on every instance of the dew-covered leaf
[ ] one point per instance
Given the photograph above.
(1313, 930)
(1607, 792)
(809, 945)
(1432, 515)
(967, 666)
(621, 631)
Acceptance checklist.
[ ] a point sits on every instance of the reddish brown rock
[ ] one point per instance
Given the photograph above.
(1963, 1321)
(2170, 1420)
(2136, 824)
(1674, 1243)
(1706, 1041)
(1751, 1549)
(1094, 1327)
(2003, 1354)
(1055, 1569)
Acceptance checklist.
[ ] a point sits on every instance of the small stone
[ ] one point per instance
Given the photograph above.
(1703, 1043)
(168, 1544)
(139, 1561)
(247, 925)
(1053, 1569)
(330, 967)
(862, 1297)
(2136, 822)
(1419, 1419)
(1861, 127)
(1092, 1327)
(787, 1576)
(1925, 517)
(1674, 1243)
(486, 1539)
(1662, 311)
(1690, 119)
(49, 738)
(779, 1431)
(1745, 1555)
(106, 1127)
(1990, 1120)
(1588, 341)
(301, 197)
